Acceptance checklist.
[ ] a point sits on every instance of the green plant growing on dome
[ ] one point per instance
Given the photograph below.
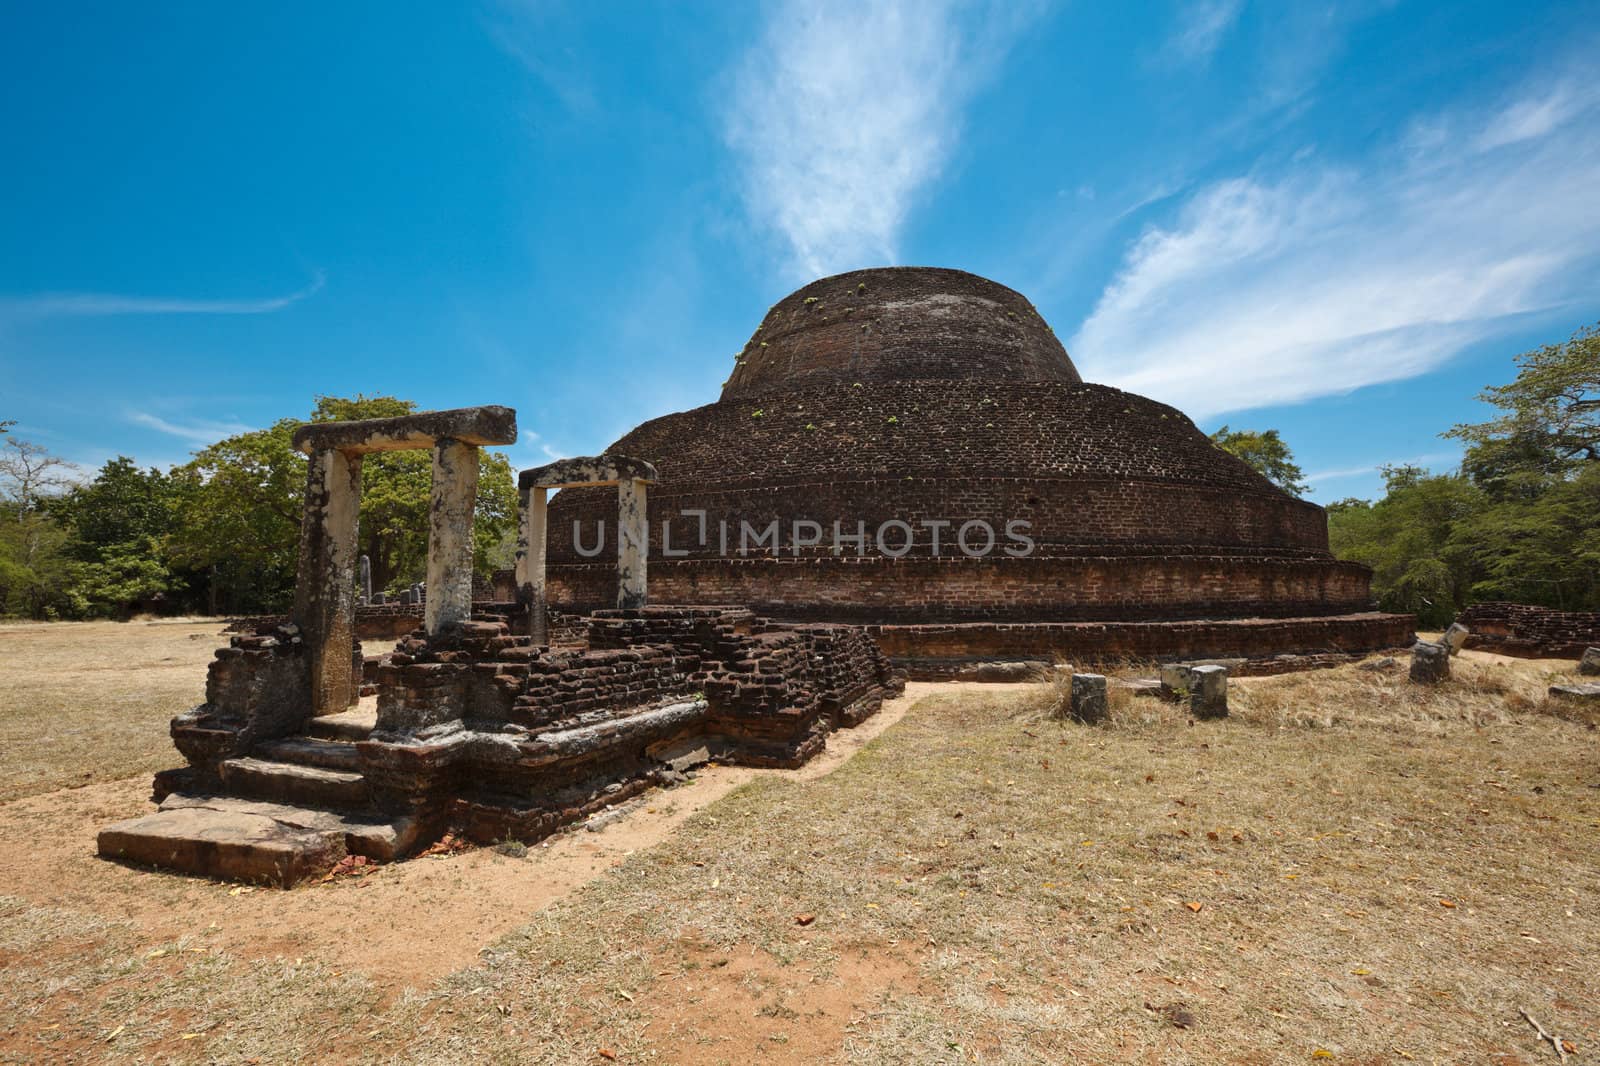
(892, 420)
(811, 425)
(757, 413)
(861, 288)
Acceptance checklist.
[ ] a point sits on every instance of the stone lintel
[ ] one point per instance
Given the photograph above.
(586, 471)
(477, 426)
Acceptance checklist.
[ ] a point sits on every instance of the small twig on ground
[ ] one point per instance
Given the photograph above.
(1555, 1041)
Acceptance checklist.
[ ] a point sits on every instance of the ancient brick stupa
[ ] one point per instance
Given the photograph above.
(908, 402)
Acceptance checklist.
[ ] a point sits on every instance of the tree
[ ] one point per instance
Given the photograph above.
(1409, 538)
(1267, 454)
(1551, 425)
(29, 473)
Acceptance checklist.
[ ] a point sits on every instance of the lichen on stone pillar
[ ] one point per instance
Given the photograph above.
(532, 504)
(325, 582)
(633, 543)
(455, 492)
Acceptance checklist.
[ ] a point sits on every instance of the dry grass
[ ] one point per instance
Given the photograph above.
(1348, 864)
(90, 701)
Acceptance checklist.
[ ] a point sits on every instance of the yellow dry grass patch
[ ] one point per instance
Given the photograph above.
(1349, 869)
(90, 701)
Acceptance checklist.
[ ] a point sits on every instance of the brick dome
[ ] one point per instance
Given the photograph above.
(915, 396)
(896, 324)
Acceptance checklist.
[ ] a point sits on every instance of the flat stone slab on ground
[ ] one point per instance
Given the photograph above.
(234, 845)
(1586, 692)
(370, 836)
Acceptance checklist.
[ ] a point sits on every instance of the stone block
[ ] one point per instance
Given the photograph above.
(1589, 665)
(1455, 638)
(476, 426)
(1582, 693)
(1090, 703)
(1177, 681)
(1430, 663)
(1208, 694)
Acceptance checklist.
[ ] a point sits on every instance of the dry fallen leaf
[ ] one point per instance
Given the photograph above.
(1194, 906)
(1322, 1053)
(1447, 903)
(608, 1054)
(804, 919)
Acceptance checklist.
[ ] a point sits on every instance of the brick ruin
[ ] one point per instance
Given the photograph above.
(921, 396)
(920, 400)
(474, 727)
(1530, 632)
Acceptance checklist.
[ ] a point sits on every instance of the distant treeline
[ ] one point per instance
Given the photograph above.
(217, 535)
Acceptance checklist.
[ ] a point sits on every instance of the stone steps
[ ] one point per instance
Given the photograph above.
(250, 840)
(311, 751)
(349, 726)
(290, 783)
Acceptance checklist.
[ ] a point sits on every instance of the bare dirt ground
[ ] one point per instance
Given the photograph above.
(1348, 869)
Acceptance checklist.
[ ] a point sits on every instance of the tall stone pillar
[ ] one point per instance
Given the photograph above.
(324, 595)
(366, 581)
(633, 544)
(455, 493)
(533, 508)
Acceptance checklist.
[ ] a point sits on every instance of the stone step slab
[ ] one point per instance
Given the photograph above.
(233, 845)
(349, 726)
(287, 783)
(311, 751)
(365, 832)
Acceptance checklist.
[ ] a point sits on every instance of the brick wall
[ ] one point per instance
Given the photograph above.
(1019, 590)
(1531, 632)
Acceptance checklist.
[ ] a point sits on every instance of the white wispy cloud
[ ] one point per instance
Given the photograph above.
(1321, 278)
(1372, 468)
(95, 303)
(1202, 27)
(197, 431)
(846, 109)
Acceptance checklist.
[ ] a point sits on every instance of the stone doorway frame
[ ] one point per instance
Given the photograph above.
(325, 577)
(630, 476)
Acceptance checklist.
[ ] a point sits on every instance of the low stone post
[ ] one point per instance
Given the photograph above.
(1430, 663)
(1589, 665)
(1090, 702)
(455, 494)
(633, 544)
(324, 591)
(1208, 692)
(366, 581)
(532, 534)
(1455, 638)
(1176, 682)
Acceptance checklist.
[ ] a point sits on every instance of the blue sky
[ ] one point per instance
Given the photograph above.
(1338, 219)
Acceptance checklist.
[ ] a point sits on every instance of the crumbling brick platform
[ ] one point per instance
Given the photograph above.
(487, 735)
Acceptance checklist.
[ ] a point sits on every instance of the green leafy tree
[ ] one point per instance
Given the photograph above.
(1550, 428)
(1267, 454)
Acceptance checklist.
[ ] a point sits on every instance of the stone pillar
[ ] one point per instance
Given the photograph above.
(1091, 702)
(633, 544)
(366, 581)
(1209, 696)
(1589, 665)
(533, 505)
(324, 594)
(448, 603)
(1430, 663)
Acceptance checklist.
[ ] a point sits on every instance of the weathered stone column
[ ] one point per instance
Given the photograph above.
(366, 581)
(633, 544)
(533, 508)
(455, 494)
(324, 594)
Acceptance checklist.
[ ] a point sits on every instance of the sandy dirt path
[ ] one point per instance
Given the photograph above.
(464, 900)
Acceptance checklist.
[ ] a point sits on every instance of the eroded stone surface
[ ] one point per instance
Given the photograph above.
(1208, 694)
(1455, 638)
(235, 845)
(1430, 663)
(1090, 703)
(478, 426)
(1589, 665)
(1586, 693)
